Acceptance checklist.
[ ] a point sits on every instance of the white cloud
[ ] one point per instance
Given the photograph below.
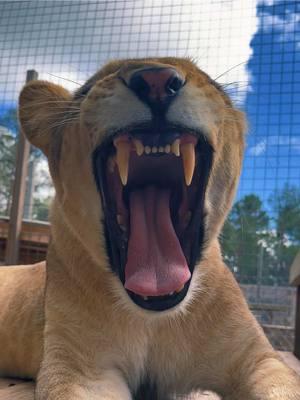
(258, 149)
(44, 188)
(269, 2)
(275, 140)
(287, 25)
(63, 74)
(216, 34)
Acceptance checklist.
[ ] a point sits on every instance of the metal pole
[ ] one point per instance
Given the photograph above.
(17, 207)
(259, 273)
(28, 203)
(297, 326)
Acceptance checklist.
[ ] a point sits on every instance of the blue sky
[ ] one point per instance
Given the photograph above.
(273, 104)
(260, 37)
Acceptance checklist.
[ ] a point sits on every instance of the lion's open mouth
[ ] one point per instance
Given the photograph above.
(152, 182)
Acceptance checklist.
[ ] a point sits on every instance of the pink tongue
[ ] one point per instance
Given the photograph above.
(156, 265)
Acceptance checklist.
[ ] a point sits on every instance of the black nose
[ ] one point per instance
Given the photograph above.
(156, 85)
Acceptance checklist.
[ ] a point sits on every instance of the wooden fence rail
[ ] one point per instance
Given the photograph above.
(34, 238)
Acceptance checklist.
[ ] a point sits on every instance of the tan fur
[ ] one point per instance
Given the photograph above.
(16, 389)
(97, 343)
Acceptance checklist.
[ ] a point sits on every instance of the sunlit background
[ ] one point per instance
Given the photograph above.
(251, 47)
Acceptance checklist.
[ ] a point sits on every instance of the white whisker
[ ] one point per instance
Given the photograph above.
(65, 79)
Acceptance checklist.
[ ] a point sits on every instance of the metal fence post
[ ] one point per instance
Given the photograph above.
(297, 326)
(259, 273)
(17, 206)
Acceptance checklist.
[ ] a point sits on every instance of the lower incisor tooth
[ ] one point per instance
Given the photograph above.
(121, 222)
(167, 148)
(154, 149)
(180, 289)
(161, 149)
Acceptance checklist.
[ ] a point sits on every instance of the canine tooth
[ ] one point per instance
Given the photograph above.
(171, 294)
(154, 149)
(161, 149)
(145, 298)
(123, 154)
(188, 159)
(167, 148)
(139, 147)
(175, 147)
(147, 149)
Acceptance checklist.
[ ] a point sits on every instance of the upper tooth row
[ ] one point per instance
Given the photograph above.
(159, 149)
(123, 147)
(174, 148)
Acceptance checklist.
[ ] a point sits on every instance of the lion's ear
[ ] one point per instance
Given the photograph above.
(42, 107)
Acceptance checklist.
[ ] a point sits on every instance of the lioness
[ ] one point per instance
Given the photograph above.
(145, 159)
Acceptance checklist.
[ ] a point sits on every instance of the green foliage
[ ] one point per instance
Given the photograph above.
(8, 128)
(286, 205)
(8, 147)
(251, 239)
(40, 210)
(243, 234)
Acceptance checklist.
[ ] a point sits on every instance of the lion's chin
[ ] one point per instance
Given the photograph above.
(153, 184)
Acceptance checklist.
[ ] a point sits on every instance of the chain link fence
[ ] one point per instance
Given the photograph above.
(250, 47)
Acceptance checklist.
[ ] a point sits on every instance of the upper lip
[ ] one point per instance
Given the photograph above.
(163, 128)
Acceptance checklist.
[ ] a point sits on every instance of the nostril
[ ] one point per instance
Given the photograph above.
(139, 85)
(173, 85)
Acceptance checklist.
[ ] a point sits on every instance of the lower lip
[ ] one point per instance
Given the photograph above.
(159, 304)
